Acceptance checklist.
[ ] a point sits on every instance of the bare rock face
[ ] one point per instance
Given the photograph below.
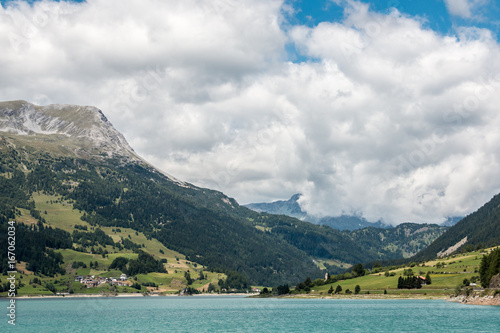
(66, 130)
(452, 249)
(83, 131)
(495, 282)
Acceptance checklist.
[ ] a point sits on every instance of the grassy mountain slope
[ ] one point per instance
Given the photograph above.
(138, 197)
(446, 274)
(59, 213)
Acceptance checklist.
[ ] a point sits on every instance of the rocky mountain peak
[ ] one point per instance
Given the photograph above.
(82, 130)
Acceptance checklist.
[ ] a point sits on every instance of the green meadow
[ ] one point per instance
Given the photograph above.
(59, 213)
(445, 273)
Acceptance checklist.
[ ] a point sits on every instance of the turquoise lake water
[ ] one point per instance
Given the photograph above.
(238, 314)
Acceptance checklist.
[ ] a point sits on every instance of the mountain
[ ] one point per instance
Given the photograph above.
(75, 154)
(405, 240)
(72, 156)
(349, 223)
(376, 239)
(64, 130)
(289, 207)
(479, 229)
(292, 208)
(451, 221)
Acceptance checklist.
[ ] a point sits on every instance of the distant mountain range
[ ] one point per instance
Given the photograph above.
(402, 241)
(292, 208)
(288, 207)
(422, 241)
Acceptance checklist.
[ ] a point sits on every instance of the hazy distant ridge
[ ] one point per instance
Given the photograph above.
(292, 208)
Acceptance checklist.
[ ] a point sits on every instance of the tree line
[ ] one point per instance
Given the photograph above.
(490, 266)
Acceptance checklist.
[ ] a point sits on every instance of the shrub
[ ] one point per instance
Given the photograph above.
(357, 289)
(338, 289)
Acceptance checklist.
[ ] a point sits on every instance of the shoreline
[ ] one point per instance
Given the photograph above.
(471, 300)
(490, 300)
(364, 296)
(120, 295)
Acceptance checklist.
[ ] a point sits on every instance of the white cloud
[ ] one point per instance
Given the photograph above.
(464, 8)
(460, 8)
(391, 120)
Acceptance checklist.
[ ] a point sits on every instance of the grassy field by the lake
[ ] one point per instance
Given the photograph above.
(59, 213)
(445, 273)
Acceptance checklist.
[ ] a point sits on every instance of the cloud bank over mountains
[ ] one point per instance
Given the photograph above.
(385, 118)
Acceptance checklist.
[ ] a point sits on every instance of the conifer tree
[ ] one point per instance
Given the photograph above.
(428, 278)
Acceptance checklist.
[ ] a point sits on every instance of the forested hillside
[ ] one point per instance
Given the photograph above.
(204, 225)
(351, 245)
(365, 245)
(479, 229)
(109, 186)
(135, 196)
(402, 241)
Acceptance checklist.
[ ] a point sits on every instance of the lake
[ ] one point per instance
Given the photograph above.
(238, 314)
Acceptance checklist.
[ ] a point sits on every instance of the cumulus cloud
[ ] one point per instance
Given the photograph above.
(464, 8)
(460, 8)
(388, 119)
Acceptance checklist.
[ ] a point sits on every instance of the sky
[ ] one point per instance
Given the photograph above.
(383, 109)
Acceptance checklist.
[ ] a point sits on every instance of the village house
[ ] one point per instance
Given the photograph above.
(422, 280)
(95, 281)
(91, 283)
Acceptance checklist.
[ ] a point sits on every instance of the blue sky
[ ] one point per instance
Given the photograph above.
(486, 14)
(389, 115)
